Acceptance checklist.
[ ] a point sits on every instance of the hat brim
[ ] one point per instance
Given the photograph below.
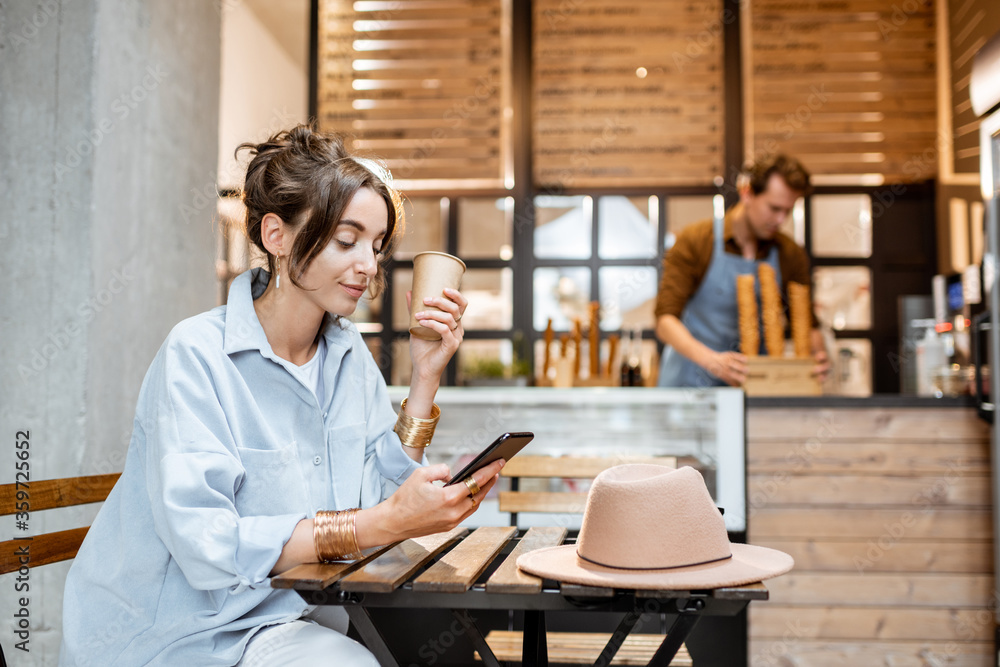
(749, 564)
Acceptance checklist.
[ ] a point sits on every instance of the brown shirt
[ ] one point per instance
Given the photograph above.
(685, 264)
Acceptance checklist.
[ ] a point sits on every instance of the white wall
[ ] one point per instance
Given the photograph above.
(264, 85)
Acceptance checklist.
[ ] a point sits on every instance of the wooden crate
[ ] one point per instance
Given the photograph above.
(781, 376)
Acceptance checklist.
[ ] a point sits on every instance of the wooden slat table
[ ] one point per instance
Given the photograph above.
(446, 571)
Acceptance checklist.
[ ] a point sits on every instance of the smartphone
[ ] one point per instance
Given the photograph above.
(503, 447)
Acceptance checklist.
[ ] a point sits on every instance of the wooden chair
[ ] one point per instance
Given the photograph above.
(32, 497)
(24, 499)
(570, 647)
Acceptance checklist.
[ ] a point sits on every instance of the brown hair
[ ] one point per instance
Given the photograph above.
(791, 171)
(307, 178)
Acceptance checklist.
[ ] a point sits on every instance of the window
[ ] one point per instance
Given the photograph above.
(840, 243)
(612, 161)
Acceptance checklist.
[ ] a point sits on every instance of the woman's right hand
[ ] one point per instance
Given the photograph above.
(420, 507)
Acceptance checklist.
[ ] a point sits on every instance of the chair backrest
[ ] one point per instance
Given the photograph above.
(23, 499)
(516, 501)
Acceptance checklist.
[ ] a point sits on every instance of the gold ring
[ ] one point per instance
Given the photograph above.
(457, 319)
(475, 503)
(472, 484)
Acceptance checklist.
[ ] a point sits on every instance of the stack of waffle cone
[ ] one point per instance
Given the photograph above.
(746, 302)
(770, 311)
(800, 314)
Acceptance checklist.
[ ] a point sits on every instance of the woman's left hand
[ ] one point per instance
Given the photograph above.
(429, 357)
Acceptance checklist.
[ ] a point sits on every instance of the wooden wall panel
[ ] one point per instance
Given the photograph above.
(628, 93)
(631, 93)
(816, 555)
(809, 428)
(894, 653)
(421, 85)
(872, 457)
(862, 490)
(887, 513)
(970, 24)
(846, 86)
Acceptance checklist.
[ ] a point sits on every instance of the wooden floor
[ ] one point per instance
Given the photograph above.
(584, 648)
(887, 514)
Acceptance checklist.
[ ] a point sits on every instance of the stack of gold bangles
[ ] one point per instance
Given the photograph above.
(335, 535)
(413, 431)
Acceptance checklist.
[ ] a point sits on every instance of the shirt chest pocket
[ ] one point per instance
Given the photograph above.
(346, 445)
(272, 483)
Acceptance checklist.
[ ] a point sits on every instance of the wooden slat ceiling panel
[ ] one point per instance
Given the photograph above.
(600, 120)
(417, 83)
(848, 87)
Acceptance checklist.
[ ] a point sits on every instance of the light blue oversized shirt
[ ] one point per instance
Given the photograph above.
(229, 452)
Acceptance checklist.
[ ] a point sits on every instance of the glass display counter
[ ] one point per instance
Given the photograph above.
(705, 429)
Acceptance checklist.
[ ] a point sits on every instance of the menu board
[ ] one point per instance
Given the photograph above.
(420, 85)
(627, 93)
(970, 25)
(846, 86)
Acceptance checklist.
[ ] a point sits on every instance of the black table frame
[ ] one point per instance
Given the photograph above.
(688, 606)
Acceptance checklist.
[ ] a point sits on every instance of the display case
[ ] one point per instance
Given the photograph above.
(701, 428)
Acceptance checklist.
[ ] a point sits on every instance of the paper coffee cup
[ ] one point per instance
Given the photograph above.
(432, 273)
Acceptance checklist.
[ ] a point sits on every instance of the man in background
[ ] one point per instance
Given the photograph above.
(696, 307)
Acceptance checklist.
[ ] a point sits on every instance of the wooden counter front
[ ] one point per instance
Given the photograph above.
(887, 513)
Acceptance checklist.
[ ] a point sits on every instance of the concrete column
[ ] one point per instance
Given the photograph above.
(108, 152)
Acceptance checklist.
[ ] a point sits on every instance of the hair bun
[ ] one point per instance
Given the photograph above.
(306, 178)
(302, 136)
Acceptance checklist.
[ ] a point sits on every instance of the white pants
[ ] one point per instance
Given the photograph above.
(318, 638)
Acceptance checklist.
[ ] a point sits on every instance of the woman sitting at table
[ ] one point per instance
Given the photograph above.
(262, 427)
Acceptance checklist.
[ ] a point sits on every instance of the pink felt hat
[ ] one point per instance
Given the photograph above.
(652, 527)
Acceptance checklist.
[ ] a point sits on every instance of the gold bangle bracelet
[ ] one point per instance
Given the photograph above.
(322, 526)
(416, 432)
(335, 535)
(348, 534)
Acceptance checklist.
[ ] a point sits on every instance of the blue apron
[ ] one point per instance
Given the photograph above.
(711, 315)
